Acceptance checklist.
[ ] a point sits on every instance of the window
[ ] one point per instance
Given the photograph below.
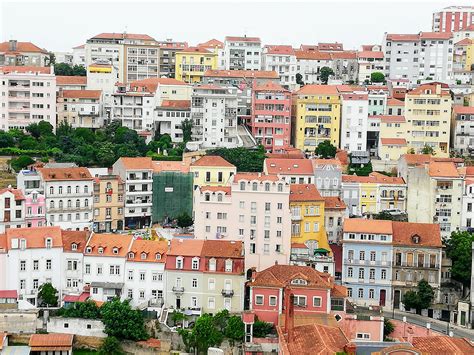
(211, 303)
(228, 265)
(142, 276)
(211, 284)
(194, 283)
(361, 273)
(212, 264)
(349, 292)
(316, 301)
(259, 299)
(49, 243)
(272, 300)
(130, 275)
(179, 262)
(350, 272)
(299, 301)
(361, 293)
(195, 264)
(383, 274)
(372, 274)
(372, 256)
(362, 255)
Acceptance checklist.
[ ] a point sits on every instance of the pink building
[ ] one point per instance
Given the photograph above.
(271, 116)
(314, 292)
(12, 209)
(35, 209)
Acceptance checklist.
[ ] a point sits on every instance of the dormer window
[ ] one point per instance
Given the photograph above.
(195, 264)
(115, 250)
(207, 197)
(299, 282)
(131, 255)
(280, 187)
(100, 250)
(267, 186)
(22, 244)
(228, 265)
(212, 264)
(179, 262)
(88, 250)
(158, 256)
(74, 246)
(242, 186)
(254, 186)
(49, 243)
(143, 256)
(219, 197)
(415, 239)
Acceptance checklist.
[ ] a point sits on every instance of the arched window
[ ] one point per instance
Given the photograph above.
(86, 202)
(78, 203)
(195, 264)
(212, 264)
(228, 265)
(115, 250)
(280, 187)
(51, 190)
(143, 256)
(100, 250)
(69, 203)
(207, 197)
(254, 186)
(77, 189)
(219, 197)
(86, 189)
(267, 186)
(60, 190)
(69, 189)
(242, 186)
(51, 204)
(60, 203)
(131, 255)
(158, 256)
(49, 243)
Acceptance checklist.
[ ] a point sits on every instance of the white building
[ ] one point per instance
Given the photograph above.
(436, 56)
(281, 59)
(72, 261)
(309, 64)
(354, 121)
(370, 60)
(80, 108)
(214, 112)
(12, 209)
(68, 193)
(28, 95)
(254, 209)
(64, 57)
(169, 116)
(243, 53)
(79, 55)
(137, 173)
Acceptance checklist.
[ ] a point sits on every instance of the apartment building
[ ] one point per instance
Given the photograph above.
(373, 193)
(271, 116)
(366, 266)
(64, 82)
(35, 209)
(467, 211)
(103, 77)
(106, 48)
(453, 19)
(137, 176)
(334, 211)
(214, 112)
(354, 121)
(428, 115)
(345, 66)
(436, 56)
(167, 53)
(462, 133)
(12, 209)
(193, 62)
(28, 95)
(392, 142)
(261, 203)
(205, 276)
(401, 53)
(14, 53)
(328, 176)
(281, 59)
(211, 170)
(370, 60)
(435, 189)
(243, 53)
(395, 107)
(309, 64)
(108, 204)
(463, 59)
(216, 46)
(80, 108)
(292, 171)
(315, 116)
(72, 262)
(79, 55)
(169, 117)
(417, 250)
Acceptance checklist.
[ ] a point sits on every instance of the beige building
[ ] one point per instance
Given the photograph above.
(14, 53)
(108, 203)
(428, 116)
(80, 108)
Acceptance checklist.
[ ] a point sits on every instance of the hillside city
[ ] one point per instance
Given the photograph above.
(237, 197)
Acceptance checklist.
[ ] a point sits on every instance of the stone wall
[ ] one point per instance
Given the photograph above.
(78, 326)
(18, 321)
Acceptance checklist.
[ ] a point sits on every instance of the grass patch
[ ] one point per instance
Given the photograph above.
(84, 352)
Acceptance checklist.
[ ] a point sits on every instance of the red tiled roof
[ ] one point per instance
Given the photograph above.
(213, 160)
(339, 291)
(179, 166)
(71, 80)
(25, 69)
(420, 90)
(151, 84)
(242, 39)
(403, 37)
(416, 159)
(152, 250)
(370, 54)
(323, 162)
(74, 237)
(108, 242)
(393, 141)
(428, 233)
(77, 298)
(361, 225)
(304, 192)
(318, 90)
(436, 35)
(395, 102)
(330, 46)
(64, 174)
(282, 275)
(50, 341)
(25, 47)
(213, 43)
(443, 169)
(123, 36)
(259, 74)
(298, 246)
(312, 55)
(354, 97)
(342, 156)
(225, 189)
(464, 42)
(390, 118)
(81, 94)
(463, 110)
(79, 47)
(280, 50)
(289, 166)
(269, 86)
(333, 203)
(137, 163)
(344, 55)
(185, 247)
(184, 104)
(223, 249)
(8, 294)
(256, 177)
(18, 194)
(35, 237)
(196, 50)
(375, 178)
(443, 345)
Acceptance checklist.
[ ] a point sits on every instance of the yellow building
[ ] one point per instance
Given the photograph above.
(428, 116)
(392, 142)
(316, 113)
(211, 171)
(108, 203)
(192, 63)
(307, 215)
(463, 56)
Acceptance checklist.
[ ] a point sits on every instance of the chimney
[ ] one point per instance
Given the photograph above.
(12, 44)
(289, 315)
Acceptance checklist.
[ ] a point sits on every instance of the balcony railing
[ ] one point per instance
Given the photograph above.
(227, 293)
(178, 289)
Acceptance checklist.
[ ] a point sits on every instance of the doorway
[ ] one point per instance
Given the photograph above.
(383, 295)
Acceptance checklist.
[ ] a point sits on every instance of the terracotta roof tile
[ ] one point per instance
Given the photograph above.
(81, 94)
(443, 345)
(333, 203)
(312, 55)
(186, 247)
(443, 169)
(50, 340)
(74, 237)
(429, 234)
(137, 163)
(71, 80)
(35, 237)
(256, 177)
(269, 86)
(416, 159)
(318, 90)
(25, 69)
(64, 174)
(108, 242)
(17, 193)
(27, 47)
(259, 74)
(344, 55)
(279, 50)
(373, 178)
(223, 249)
(361, 225)
(152, 250)
(225, 189)
(151, 84)
(464, 42)
(180, 104)
(403, 37)
(304, 192)
(8, 294)
(106, 35)
(436, 35)
(393, 141)
(395, 102)
(390, 118)
(354, 97)
(420, 90)
(370, 54)
(213, 43)
(327, 46)
(289, 166)
(196, 50)
(463, 110)
(212, 160)
(168, 166)
(242, 39)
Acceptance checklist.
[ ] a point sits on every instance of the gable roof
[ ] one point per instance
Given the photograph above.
(44, 342)
(17, 193)
(185, 247)
(304, 192)
(151, 84)
(225, 189)
(333, 203)
(463, 110)
(196, 50)
(168, 166)
(81, 94)
(35, 237)
(312, 55)
(71, 80)
(242, 39)
(362, 225)
(151, 248)
(136, 163)
(181, 104)
(314, 89)
(289, 166)
(212, 43)
(279, 49)
(429, 234)
(269, 86)
(395, 102)
(65, 174)
(108, 242)
(223, 249)
(74, 237)
(443, 345)
(212, 160)
(8, 294)
(443, 169)
(27, 47)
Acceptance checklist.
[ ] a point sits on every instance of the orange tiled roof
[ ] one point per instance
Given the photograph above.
(339, 291)
(390, 118)
(304, 192)
(289, 166)
(354, 96)
(317, 162)
(269, 86)
(395, 102)
(370, 54)
(17, 193)
(443, 345)
(64, 174)
(74, 237)
(259, 74)
(416, 159)
(429, 234)
(464, 42)
(403, 37)
(35, 237)
(186, 247)
(242, 39)
(312, 55)
(223, 249)
(318, 90)
(255, 177)
(282, 275)
(212, 160)
(151, 84)
(150, 248)
(137, 163)
(374, 178)
(50, 341)
(443, 169)
(27, 47)
(420, 90)
(106, 35)
(196, 50)
(225, 189)
(330, 46)
(81, 94)
(213, 43)
(436, 35)
(361, 225)
(71, 80)
(25, 69)
(331, 202)
(280, 50)
(393, 141)
(182, 104)
(463, 110)
(108, 242)
(344, 55)
(179, 166)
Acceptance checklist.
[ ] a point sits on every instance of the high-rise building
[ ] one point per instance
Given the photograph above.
(453, 19)
(243, 53)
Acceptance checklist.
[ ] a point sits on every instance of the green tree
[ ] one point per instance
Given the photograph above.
(110, 345)
(235, 329)
(184, 220)
(458, 249)
(325, 150)
(325, 73)
(86, 310)
(206, 333)
(79, 70)
(47, 295)
(122, 321)
(427, 149)
(421, 298)
(383, 215)
(179, 317)
(299, 79)
(21, 162)
(63, 69)
(42, 128)
(51, 60)
(261, 329)
(244, 159)
(6, 139)
(377, 77)
(220, 320)
(187, 128)
(388, 328)
(105, 154)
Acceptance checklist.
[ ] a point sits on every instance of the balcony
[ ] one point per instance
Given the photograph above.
(296, 218)
(178, 289)
(227, 293)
